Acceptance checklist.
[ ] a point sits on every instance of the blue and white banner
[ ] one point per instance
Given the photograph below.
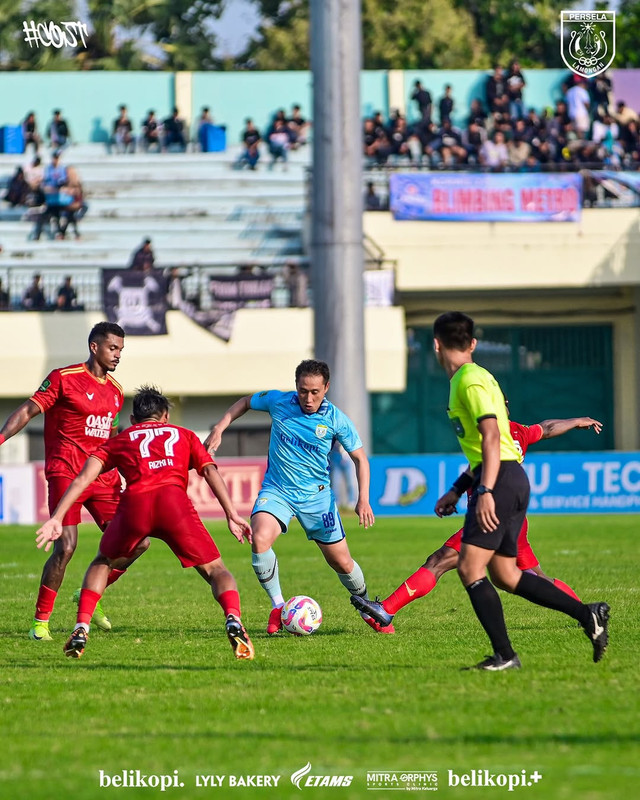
(561, 483)
(487, 197)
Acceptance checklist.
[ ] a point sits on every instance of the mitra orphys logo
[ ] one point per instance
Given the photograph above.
(588, 41)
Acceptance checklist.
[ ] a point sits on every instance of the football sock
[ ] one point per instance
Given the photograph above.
(566, 589)
(354, 581)
(488, 608)
(417, 585)
(230, 602)
(87, 605)
(114, 575)
(44, 603)
(546, 594)
(265, 565)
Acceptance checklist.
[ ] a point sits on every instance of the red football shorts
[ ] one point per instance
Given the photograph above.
(526, 558)
(100, 499)
(164, 513)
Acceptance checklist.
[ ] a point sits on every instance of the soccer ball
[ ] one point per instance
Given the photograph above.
(301, 615)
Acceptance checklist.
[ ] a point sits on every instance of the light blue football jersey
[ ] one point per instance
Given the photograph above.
(300, 443)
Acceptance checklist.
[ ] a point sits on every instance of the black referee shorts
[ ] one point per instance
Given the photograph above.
(511, 496)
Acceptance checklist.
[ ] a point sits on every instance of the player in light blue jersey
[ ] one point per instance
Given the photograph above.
(304, 427)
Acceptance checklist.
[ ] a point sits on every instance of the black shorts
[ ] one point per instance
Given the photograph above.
(511, 495)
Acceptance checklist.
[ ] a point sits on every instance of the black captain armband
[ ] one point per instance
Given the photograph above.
(461, 484)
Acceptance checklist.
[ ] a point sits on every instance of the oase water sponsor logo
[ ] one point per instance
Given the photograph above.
(97, 426)
(302, 777)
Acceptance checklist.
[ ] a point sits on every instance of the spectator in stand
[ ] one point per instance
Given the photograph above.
(422, 98)
(578, 107)
(34, 175)
(279, 142)
(630, 144)
(452, 150)
(519, 151)
(494, 153)
(515, 83)
(251, 139)
(446, 105)
(55, 174)
(601, 90)
(175, 290)
(497, 98)
(4, 298)
(54, 180)
(624, 115)
(58, 131)
(473, 139)
(30, 132)
(123, 137)
(299, 125)
(477, 113)
(67, 299)
(143, 257)
(371, 200)
(173, 130)
(18, 190)
(606, 133)
(34, 299)
(77, 208)
(150, 136)
(399, 138)
(205, 119)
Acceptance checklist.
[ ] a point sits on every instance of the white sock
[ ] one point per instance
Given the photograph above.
(354, 581)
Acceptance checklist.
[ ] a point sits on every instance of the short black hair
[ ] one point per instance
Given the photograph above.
(101, 330)
(312, 367)
(149, 403)
(455, 330)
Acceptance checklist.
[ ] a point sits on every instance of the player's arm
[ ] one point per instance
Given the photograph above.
(446, 505)
(363, 477)
(486, 507)
(52, 528)
(238, 526)
(20, 417)
(556, 427)
(240, 407)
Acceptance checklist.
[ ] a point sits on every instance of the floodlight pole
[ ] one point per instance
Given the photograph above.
(337, 255)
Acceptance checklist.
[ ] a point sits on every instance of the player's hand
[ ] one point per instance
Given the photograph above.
(587, 422)
(49, 532)
(240, 528)
(446, 505)
(212, 442)
(486, 513)
(365, 513)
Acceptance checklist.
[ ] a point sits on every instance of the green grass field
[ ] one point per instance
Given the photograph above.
(162, 691)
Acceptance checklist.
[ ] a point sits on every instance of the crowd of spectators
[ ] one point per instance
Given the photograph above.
(34, 298)
(285, 133)
(586, 128)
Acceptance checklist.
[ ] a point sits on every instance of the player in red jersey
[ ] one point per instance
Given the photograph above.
(446, 557)
(81, 405)
(154, 459)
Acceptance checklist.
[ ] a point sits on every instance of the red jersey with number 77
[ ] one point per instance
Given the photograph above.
(80, 412)
(154, 454)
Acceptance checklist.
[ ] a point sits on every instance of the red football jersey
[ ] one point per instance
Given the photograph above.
(524, 435)
(80, 412)
(153, 454)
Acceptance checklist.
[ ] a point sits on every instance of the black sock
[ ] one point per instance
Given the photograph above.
(544, 593)
(488, 608)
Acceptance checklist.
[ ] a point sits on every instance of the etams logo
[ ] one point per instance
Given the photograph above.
(416, 780)
(302, 778)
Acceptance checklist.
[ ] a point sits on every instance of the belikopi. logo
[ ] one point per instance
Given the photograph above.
(588, 41)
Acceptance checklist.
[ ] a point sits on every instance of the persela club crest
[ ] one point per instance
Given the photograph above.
(588, 41)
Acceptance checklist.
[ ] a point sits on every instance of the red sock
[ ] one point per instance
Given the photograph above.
(230, 602)
(87, 605)
(114, 575)
(417, 585)
(566, 589)
(45, 602)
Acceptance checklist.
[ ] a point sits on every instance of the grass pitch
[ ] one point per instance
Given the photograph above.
(162, 694)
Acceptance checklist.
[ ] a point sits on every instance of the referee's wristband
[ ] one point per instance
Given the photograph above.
(462, 483)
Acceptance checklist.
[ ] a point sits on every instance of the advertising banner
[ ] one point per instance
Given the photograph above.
(487, 197)
(561, 483)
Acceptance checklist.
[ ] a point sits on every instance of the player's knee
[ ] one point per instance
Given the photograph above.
(142, 546)
(443, 560)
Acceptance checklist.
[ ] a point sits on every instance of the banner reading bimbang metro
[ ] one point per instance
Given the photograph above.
(473, 197)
